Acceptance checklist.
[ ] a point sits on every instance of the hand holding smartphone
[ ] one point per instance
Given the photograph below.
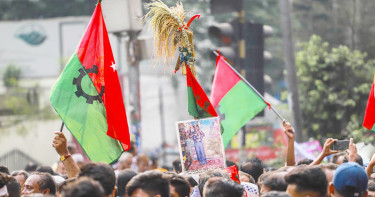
(340, 145)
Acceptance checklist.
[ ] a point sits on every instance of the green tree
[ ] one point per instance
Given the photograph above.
(11, 76)
(334, 85)
(338, 22)
(35, 9)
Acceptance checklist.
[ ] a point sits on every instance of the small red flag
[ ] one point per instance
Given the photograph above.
(369, 119)
(199, 105)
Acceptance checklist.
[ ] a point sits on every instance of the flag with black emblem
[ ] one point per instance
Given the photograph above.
(87, 96)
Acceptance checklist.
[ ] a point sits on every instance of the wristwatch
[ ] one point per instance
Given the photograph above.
(62, 158)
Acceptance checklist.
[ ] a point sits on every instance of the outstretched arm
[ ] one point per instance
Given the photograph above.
(325, 152)
(289, 132)
(60, 145)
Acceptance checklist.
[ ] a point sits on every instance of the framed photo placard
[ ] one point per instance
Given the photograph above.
(201, 145)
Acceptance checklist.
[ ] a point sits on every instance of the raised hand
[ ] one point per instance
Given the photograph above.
(352, 151)
(327, 147)
(288, 130)
(60, 144)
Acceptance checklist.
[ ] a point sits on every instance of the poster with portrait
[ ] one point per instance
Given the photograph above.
(201, 145)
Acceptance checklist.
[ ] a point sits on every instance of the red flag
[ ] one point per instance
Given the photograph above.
(232, 171)
(199, 105)
(369, 119)
(96, 56)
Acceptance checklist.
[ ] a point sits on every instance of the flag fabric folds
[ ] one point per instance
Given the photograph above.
(198, 104)
(87, 96)
(369, 119)
(235, 102)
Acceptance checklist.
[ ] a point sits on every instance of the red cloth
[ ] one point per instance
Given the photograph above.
(369, 119)
(95, 50)
(233, 173)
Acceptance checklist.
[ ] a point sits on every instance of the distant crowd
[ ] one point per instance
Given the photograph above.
(136, 175)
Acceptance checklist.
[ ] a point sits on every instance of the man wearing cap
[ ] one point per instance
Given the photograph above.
(350, 179)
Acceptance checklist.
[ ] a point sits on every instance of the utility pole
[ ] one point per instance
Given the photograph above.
(162, 125)
(242, 64)
(133, 59)
(285, 10)
(123, 16)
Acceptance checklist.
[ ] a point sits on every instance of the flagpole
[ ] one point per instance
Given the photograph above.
(256, 91)
(62, 127)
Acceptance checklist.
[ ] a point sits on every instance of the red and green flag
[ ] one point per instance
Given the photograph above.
(198, 104)
(87, 96)
(235, 102)
(369, 120)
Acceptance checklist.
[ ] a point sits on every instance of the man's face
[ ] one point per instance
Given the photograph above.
(20, 179)
(244, 178)
(31, 185)
(143, 166)
(139, 193)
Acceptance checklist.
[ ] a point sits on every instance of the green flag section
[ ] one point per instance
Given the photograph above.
(369, 120)
(235, 102)
(198, 104)
(87, 122)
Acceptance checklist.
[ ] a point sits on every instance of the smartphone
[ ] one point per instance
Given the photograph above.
(340, 145)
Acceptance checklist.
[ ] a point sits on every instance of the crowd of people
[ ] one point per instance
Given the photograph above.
(137, 176)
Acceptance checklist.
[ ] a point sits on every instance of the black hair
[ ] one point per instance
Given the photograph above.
(123, 179)
(83, 187)
(358, 160)
(217, 187)
(30, 167)
(192, 181)
(45, 168)
(101, 172)
(4, 179)
(20, 172)
(151, 182)
(275, 181)
(4, 169)
(181, 185)
(371, 186)
(46, 182)
(304, 162)
(177, 165)
(230, 163)
(61, 187)
(13, 187)
(254, 167)
(203, 178)
(328, 166)
(308, 178)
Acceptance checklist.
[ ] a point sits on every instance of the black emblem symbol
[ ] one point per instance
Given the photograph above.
(78, 82)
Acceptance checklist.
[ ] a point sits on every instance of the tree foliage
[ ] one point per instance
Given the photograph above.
(35, 9)
(334, 85)
(338, 22)
(11, 76)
